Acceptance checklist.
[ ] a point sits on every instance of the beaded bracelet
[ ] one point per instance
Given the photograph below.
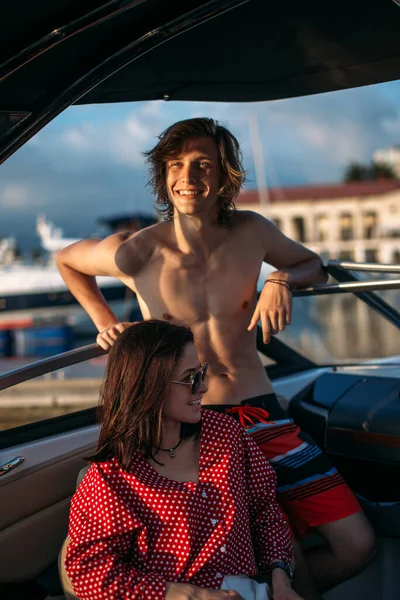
(279, 282)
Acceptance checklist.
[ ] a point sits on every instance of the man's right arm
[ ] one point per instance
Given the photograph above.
(81, 262)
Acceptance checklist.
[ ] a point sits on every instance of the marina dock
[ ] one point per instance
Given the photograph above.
(35, 400)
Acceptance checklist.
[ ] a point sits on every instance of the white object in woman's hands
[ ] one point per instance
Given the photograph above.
(184, 591)
(248, 588)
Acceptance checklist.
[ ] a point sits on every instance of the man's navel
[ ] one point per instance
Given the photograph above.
(245, 304)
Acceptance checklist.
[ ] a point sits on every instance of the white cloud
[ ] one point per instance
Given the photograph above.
(313, 132)
(14, 196)
(392, 126)
(341, 140)
(76, 137)
(153, 109)
(136, 129)
(120, 141)
(301, 127)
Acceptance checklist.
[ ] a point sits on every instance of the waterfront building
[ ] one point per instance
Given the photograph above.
(357, 221)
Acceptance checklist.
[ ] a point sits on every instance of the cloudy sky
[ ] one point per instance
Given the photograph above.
(87, 163)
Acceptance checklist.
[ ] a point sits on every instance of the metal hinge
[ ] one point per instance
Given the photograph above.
(11, 464)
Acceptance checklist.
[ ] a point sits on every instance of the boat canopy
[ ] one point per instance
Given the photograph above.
(54, 54)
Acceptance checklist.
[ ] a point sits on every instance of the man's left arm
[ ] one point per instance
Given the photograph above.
(296, 267)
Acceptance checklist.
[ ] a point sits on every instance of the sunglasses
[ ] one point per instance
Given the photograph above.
(195, 379)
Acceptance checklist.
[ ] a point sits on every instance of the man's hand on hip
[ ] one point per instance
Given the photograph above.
(274, 308)
(107, 336)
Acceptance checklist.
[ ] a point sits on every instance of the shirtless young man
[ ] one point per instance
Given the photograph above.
(201, 265)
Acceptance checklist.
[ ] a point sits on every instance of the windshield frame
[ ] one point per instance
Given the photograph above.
(343, 271)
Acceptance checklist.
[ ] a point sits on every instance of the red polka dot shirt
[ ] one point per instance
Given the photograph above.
(133, 531)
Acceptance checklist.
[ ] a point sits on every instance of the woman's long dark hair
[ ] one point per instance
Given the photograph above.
(229, 156)
(139, 370)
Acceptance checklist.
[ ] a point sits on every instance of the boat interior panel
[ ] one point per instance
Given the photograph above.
(34, 501)
(31, 545)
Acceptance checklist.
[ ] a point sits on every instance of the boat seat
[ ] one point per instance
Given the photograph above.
(65, 580)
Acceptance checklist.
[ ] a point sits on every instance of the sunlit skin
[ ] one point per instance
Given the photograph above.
(194, 270)
(193, 178)
(181, 406)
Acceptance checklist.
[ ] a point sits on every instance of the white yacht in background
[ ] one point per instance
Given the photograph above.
(29, 291)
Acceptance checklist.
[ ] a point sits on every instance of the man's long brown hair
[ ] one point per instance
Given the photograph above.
(229, 157)
(139, 370)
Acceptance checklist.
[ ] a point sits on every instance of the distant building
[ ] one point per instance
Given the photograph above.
(389, 156)
(350, 221)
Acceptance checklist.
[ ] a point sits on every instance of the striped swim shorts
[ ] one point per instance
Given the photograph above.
(309, 488)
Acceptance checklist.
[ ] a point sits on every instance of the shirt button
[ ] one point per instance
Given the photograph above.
(223, 548)
(218, 574)
(204, 494)
(213, 521)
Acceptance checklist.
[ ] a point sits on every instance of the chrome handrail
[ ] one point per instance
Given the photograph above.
(50, 364)
(351, 286)
(357, 266)
(72, 357)
(377, 303)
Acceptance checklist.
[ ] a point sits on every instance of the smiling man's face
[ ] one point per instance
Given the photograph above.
(193, 177)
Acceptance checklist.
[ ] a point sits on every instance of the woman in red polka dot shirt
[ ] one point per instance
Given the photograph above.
(179, 503)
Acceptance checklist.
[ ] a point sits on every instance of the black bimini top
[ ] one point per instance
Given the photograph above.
(55, 53)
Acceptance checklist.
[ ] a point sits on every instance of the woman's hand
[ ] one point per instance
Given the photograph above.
(185, 591)
(281, 587)
(107, 337)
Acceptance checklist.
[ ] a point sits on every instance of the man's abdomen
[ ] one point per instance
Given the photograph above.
(233, 377)
(227, 389)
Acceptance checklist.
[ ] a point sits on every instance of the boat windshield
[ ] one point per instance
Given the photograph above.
(339, 329)
(343, 328)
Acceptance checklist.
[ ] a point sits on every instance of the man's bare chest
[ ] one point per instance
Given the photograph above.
(197, 290)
